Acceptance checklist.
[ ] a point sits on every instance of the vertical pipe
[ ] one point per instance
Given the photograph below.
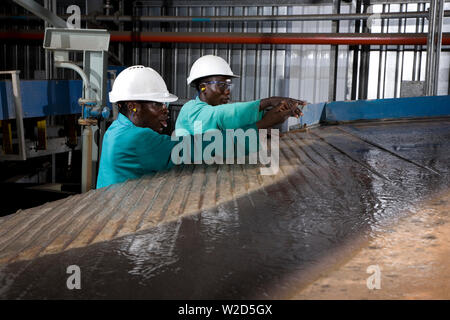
(230, 13)
(50, 71)
(439, 22)
(257, 80)
(380, 59)
(243, 57)
(364, 65)
(229, 31)
(27, 61)
(414, 72)
(216, 51)
(134, 44)
(19, 114)
(202, 46)
(53, 167)
(162, 58)
(347, 89)
(397, 61)
(385, 56)
(287, 59)
(334, 55)
(430, 48)
(148, 49)
(421, 48)
(86, 165)
(188, 54)
(175, 64)
(316, 65)
(403, 47)
(356, 54)
(272, 61)
(121, 28)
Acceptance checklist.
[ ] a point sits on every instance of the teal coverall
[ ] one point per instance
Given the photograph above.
(129, 152)
(222, 117)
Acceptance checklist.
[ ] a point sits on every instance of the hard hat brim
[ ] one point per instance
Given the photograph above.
(167, 97)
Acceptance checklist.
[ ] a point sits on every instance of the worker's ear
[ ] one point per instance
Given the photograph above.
(202, 88)
(132, 107)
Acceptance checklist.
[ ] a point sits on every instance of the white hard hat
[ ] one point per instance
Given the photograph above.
(209, 65)
(140, 83)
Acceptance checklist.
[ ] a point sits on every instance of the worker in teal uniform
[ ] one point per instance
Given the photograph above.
(133, 145)
(212, 77)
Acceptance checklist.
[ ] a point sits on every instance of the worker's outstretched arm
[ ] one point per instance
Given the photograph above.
(237, 115)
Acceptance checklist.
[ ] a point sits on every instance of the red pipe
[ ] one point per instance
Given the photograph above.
(270, 38)
(25, 35)
(255, 38)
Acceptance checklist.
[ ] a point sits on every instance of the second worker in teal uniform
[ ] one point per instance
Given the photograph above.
(134, 145)
(211, 76)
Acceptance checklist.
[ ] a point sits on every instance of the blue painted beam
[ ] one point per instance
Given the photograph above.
(42, 98)
(412, 107)
(313, 114)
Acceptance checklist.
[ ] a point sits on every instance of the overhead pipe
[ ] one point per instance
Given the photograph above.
(303, 17)
(254, 38)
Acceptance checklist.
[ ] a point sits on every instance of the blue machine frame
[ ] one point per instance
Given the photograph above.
(381, 109)
(41, 98)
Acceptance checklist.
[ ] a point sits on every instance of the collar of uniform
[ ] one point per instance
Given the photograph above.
(124, 120)
(197, 100)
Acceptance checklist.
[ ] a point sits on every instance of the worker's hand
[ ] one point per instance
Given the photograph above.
(275, 101)
(276, 115)
(292, 105)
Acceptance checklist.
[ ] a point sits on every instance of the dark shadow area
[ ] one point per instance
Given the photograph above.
(16, 195)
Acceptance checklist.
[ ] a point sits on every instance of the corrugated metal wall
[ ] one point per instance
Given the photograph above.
(390, 65)
(310, 64)
(265, 70)
(300, 71)
(29, 57)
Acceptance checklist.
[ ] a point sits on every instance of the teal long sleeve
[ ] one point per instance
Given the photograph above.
(221, 117)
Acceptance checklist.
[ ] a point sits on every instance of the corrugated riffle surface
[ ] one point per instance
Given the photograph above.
(225, 231)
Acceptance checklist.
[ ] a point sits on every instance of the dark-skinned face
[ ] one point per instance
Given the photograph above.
(215, 93)
(148, 114)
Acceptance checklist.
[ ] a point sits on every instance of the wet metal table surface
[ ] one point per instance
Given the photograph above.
(226, 231)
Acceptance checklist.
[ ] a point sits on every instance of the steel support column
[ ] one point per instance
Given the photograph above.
(434, 42)
(364, 60)
(334, 54)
